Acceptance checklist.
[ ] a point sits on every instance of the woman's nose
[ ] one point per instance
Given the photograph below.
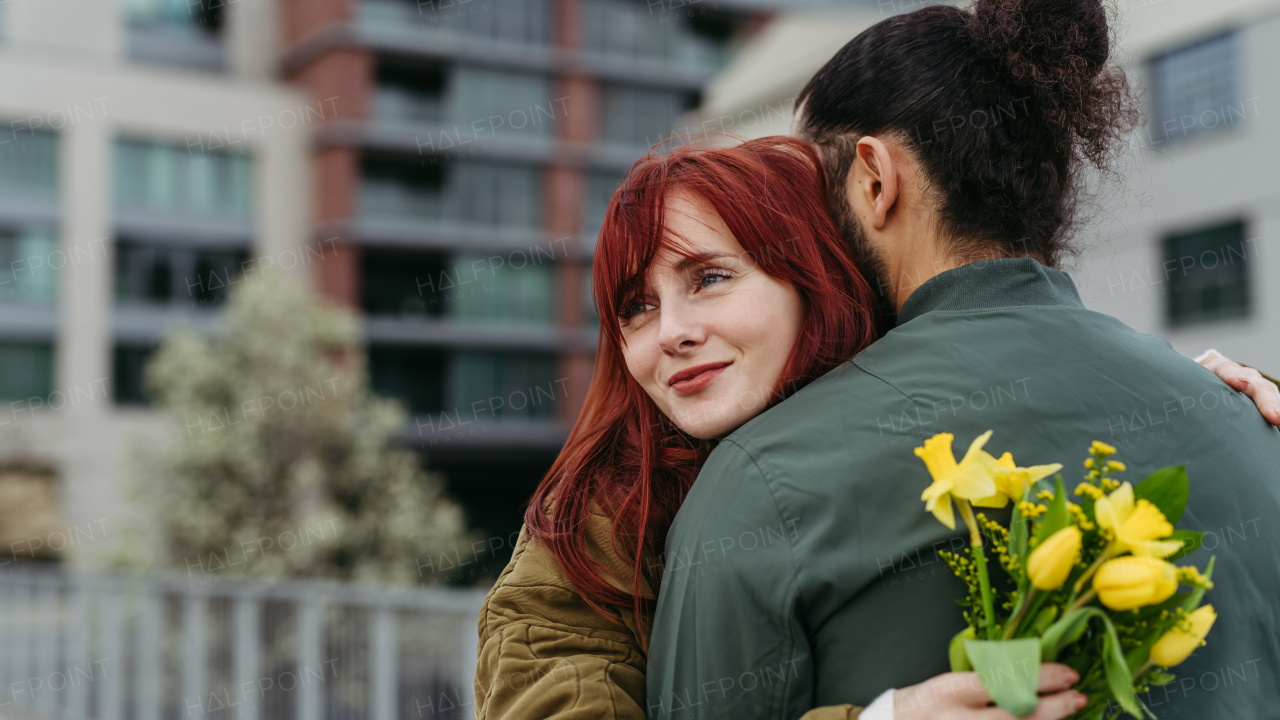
(679, 330)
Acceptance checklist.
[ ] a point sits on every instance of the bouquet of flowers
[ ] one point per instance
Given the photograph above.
(1092, 580)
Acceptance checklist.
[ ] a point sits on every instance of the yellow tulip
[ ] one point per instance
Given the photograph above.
(1051, 562)
(1136, 526)
(1012, 481)
(969, 479)
(1135, 581)
(1176, 645)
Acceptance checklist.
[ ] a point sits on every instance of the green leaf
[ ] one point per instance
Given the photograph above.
(1191, 541)
(1159, 677)
(1057, 516)
(1119, 678)
(1018, 541)
(1064, 632)
(1043, 619)
(1010, 672)
(1167, 489)
(959, 660)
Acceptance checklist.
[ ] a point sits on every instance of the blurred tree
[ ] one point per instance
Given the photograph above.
(287, 465)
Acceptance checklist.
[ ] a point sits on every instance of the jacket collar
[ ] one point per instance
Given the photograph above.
(989, 284)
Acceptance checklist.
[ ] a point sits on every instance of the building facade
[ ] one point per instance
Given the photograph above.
(440, 166)
(463, 181)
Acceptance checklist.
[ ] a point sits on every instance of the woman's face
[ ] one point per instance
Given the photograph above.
(709, 335)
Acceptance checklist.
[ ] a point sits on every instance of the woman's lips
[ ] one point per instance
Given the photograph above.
(688, 382)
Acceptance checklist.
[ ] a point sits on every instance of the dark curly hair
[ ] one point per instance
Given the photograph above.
(1001, 106)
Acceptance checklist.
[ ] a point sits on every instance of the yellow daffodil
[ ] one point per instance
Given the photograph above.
(1051, 562)
(1137, 527)
(1012, 481)
(1177, 645)
(1135, 581)
(970, 479)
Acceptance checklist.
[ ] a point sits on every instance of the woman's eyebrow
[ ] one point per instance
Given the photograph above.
(700, 258)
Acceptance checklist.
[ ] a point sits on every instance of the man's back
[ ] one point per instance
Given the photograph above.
(803, 570)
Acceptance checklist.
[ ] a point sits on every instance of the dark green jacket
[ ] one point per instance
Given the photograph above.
(803, 570)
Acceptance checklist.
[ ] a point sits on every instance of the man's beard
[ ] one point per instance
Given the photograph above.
(871, 263)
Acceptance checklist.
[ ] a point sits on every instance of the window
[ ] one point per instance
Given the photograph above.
(601, 185)
(409, 92)
(165, 274)
(497, 195)
(1208, 274)
(176, 32)
(401, 282)
(168, 177)
(638, 117)
(128, 376)
(1195, 89)
(465, 192)
(29, 160)
(525, 383)
(515, 21)
(28, 255)
(505, 294)
(415, 376)
(470, 287)
(26, 370)
(502, 103)
(648, 30)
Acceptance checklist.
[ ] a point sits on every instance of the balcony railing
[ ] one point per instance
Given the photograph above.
(105, 647)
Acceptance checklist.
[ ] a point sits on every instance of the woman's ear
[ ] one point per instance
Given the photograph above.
(876, 166)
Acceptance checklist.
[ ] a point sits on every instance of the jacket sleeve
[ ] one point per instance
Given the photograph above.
(545, 654)
(728, 637)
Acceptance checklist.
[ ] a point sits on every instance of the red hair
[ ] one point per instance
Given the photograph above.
(622, 452)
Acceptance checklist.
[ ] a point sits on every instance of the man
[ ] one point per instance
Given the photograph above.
(802, 569)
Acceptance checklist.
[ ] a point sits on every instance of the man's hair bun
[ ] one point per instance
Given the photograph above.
(1057, 51)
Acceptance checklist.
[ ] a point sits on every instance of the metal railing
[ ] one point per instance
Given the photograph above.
(119, 646)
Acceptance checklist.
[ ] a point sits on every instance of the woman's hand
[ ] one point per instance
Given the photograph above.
(1260, 390)
(960, 696)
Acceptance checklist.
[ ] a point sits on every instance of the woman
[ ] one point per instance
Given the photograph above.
(732, 246)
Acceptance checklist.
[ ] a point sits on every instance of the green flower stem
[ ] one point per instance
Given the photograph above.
(1023, 603)
(980, 559)
(1081, 602)
(1075, 590)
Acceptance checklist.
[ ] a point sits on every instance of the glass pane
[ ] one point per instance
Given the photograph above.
(402, 282)
(501, 103)
(29, 161)
(1196, 89)
(415, 376)
(505, 294)
(400, 188)
(513, 385)
(1208, 275)
(129, 364)
(28, 256)
(639, 117)
(171, 178)
(26, 370)
(409, 92)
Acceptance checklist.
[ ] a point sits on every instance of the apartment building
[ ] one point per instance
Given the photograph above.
(463, 181)
(441, 166)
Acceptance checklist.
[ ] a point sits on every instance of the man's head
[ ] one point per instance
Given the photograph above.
(963, 132)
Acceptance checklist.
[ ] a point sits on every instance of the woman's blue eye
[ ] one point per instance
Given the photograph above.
(711, 279)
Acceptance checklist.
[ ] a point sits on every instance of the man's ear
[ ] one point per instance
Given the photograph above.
(877, 164)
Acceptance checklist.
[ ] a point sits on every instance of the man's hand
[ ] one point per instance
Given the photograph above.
(960, 696)
(1260, 390)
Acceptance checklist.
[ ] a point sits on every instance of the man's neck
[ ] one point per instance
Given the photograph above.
(923, 261)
